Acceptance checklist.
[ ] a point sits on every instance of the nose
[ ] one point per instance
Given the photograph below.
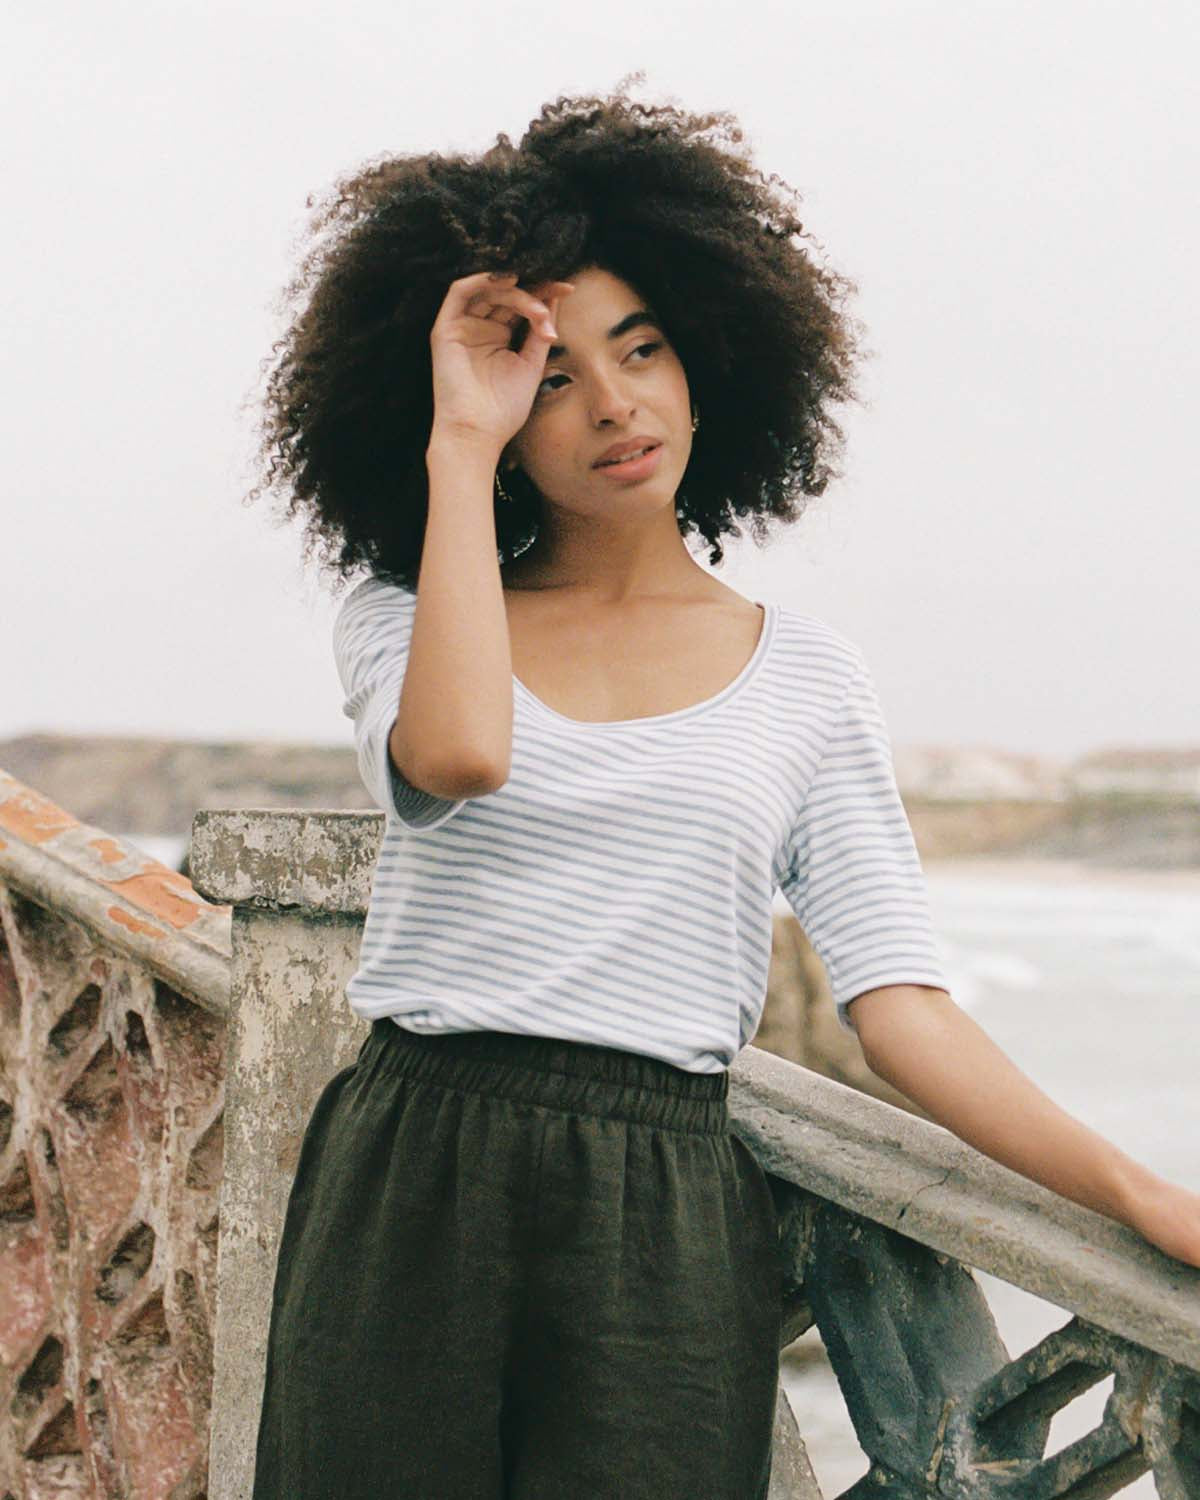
(611, 402)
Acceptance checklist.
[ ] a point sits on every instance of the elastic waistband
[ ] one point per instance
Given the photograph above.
(574, 1077)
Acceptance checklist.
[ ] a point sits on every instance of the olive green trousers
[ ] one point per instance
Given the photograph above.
(518, 1268)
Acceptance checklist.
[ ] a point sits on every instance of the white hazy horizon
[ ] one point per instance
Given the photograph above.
(1012, 187)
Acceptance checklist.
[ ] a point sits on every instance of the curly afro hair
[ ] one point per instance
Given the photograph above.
(655, 195)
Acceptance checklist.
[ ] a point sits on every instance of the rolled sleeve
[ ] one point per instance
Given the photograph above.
(854, 877)
(370, 639)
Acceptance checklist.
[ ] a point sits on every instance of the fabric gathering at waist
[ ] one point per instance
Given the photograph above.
(572, 1077)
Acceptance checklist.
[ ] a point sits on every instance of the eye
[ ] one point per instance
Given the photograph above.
(647, 349)
(547, 380)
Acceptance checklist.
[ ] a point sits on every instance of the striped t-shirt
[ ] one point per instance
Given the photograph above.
(618, 888)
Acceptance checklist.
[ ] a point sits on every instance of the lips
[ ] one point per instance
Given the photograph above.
(626, 452)
(634, 469)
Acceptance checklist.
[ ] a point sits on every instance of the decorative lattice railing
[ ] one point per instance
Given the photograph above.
(114, 992)
(155, 1058)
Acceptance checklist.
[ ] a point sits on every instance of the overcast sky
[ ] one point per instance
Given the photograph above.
(1011, 185)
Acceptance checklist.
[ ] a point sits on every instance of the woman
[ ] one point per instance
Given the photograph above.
(523, 1254)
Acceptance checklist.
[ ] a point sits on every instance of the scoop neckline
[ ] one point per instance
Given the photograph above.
(766, 631)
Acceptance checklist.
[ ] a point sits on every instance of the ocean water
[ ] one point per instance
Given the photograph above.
(1090, 982)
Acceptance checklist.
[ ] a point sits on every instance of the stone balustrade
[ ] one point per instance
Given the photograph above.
(133, 1011)
(114, 993)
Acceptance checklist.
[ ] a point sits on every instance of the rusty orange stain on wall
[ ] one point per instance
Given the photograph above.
(166, 893)
(134, 924)
(32, 818)
(109, 850)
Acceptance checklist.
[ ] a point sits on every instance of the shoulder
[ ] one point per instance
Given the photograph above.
(374, 602)
(810, 649)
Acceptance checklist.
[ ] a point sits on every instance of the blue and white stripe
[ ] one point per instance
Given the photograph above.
(618, 888)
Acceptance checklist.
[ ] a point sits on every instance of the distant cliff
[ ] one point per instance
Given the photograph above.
(151, 786)
(1123, 832)
(1146, 814)
(1130, 807)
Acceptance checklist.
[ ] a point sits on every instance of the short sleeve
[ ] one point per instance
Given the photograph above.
(854, 877)
(371, 633)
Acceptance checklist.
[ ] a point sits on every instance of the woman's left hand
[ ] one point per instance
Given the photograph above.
(1168, 1216)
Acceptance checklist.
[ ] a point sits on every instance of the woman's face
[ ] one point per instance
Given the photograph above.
(601, 387)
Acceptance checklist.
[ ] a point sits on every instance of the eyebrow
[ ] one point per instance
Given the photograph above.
(635, 319)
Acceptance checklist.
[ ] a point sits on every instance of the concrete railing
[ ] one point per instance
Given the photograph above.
(114, 991)
(884, 1214)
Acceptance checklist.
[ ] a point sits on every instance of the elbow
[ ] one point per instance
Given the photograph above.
(445, 775)
(463, 779)
(465, 776)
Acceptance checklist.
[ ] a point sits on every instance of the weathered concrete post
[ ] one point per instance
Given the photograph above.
(298, 883)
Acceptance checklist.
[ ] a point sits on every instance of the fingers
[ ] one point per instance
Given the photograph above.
(544, 326)
(502, 300)
(502, 296)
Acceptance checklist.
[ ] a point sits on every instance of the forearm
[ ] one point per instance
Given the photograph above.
(454, 717)
(923, 1044)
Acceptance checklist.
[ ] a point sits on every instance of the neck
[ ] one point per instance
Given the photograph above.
(586, 555)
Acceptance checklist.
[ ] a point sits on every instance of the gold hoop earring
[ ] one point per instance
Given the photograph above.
(695, 419)
(501, 492)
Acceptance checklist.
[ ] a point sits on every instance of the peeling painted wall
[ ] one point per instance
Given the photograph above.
(111, 1149)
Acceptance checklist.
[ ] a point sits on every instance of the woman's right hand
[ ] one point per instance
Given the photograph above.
(483, 389)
